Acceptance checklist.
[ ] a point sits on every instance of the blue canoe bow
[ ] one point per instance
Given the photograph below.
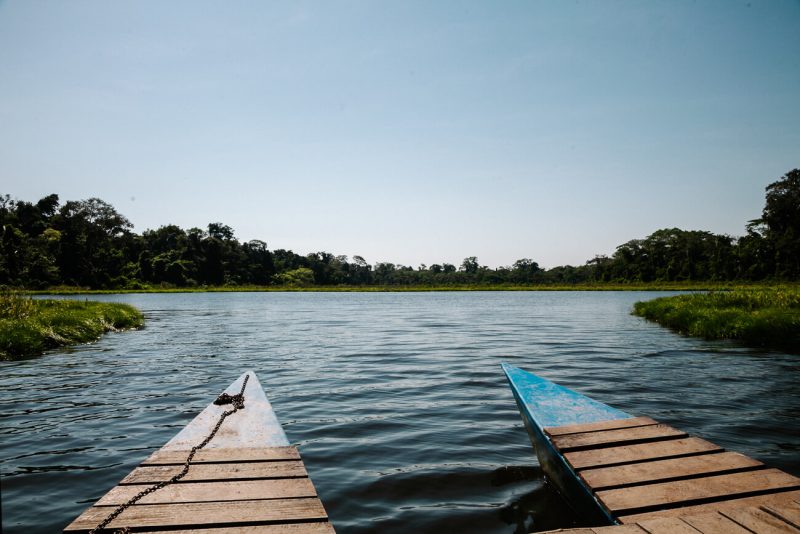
(543, 404)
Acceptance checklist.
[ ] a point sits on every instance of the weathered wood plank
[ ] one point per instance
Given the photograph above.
(611, 424)
(211, 472)
(759, 521)
(263, 454)
(624, 500)
(659, 470)
(714, 523)
(619, 529)
(721, 506)
(620, 436)
(242, 490)
(789, 512)
(667, 525)
(640, 452)
(287, 528)
(191, 515)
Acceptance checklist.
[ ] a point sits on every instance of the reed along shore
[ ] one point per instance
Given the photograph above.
(757, 317)
(31, 326)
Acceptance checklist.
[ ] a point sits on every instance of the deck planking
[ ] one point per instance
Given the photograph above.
(656, 479)
(224, 494)
(247, 480)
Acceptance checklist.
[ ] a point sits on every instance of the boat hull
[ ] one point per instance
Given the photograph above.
(254, 426)
(543, 404)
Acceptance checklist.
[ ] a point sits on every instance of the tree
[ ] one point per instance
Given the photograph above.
(525, 270)
(91, 249)
(781, 221)
(470, 265)
(220, 231)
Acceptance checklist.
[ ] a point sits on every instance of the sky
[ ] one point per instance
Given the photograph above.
(411, 132)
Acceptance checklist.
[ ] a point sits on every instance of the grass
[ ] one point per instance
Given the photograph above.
(766, 317)
(29, 327)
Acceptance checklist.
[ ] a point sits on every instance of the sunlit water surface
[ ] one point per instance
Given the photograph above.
(396, 400)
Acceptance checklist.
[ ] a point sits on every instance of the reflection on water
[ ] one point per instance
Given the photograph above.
(396, 400)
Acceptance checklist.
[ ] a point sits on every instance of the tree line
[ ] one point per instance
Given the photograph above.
(87, 243)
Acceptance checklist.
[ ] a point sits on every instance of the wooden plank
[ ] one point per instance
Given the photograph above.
(288, 528)
(620, 436)
(759, 521)
(714, 523)
(211, 472)
(211, 514)
(721, 506)
(789, 512)
(281, 488)
(641, 452)
(619, 529)
(667, 525)
(620, 501)
(263, 454)
(600, 425)
(660, 470)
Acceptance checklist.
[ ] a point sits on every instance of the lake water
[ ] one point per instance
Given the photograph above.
(396, 400)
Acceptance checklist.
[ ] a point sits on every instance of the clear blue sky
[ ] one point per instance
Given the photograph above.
(410, 132)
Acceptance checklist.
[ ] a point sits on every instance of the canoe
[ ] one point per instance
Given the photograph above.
(544, 404)
(247, 478)
(613, 467)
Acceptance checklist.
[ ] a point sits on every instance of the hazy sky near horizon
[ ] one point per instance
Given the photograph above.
(410, 132)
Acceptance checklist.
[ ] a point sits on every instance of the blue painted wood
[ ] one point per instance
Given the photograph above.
(255, 426)
(545, 404)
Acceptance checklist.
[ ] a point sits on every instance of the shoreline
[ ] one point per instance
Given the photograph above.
(650, 286)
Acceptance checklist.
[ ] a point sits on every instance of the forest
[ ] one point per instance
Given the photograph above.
(89, 244)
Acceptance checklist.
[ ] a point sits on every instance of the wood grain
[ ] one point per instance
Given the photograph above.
(714, 523)
(667, 525)
(212, 472)
(640, 452)
(600, 425)
(281, 488)
(288, 528)
(623, 500)
(759, 521)
(619, 436)
(659, 470)
(205, 514)
(162, 457)
(721, 506)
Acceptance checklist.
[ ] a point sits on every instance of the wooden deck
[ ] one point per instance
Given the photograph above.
(654, 478)
(247, 480)
(263, 490)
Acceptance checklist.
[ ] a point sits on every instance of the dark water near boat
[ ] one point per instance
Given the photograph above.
(396, 400)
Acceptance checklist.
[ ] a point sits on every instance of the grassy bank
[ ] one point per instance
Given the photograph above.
(757, 317)
(29, 327)
(632, 286)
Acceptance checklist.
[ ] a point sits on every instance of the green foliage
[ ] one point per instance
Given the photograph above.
(300, 277)
(29, 327)
(88, 244)
(764, 317)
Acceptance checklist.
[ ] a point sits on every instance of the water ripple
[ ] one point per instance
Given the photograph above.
(396, 400)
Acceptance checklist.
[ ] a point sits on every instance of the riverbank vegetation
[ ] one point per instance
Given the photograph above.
(88, 244)
(31, 326)
(600, 286)
(762, 318)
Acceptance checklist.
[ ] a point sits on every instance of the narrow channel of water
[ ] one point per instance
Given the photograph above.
(396, 400)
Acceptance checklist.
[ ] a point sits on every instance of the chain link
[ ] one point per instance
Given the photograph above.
(238, 404)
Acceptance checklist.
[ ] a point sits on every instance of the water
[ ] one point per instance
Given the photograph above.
(396, 400)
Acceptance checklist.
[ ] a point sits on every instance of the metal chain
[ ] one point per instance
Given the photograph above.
(238, 404)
